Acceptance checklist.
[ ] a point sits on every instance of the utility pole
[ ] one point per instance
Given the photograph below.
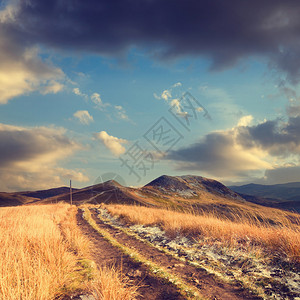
(71, 192)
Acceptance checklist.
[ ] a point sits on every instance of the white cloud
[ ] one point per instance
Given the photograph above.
(96, 98)
(178, 84)
(121, 113)
(53, 88)
(166, 95)
(181, 102)
(245, 121)
(84, 117)
(156, 96)
(78, 92)
(112, 143)
(118, 111)
(72, 174)
(176, 103)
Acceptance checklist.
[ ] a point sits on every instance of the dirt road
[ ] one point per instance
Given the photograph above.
(152, 287)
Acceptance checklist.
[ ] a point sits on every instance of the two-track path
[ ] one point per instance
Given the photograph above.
(154, 288)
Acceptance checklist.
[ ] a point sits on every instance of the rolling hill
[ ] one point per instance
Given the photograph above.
(284, 196)
(280, 192)
(14, 199)
(183, 193)
(20, 198)
(42, 194)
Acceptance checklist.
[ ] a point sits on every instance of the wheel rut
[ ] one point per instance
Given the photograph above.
(209, 286)
(105, 254)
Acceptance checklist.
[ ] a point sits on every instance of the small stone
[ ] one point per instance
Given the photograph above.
(84, 297)
(178, 265)
(137, 273)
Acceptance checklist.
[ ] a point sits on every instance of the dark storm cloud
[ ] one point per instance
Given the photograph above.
(224, 31)
(277, 137)
(23, 145)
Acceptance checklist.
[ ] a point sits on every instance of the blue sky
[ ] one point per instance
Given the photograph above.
(75, 101)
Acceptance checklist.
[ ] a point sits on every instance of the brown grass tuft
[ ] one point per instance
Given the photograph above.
(111, 284)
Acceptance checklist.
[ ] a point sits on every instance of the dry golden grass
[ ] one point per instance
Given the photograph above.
(35, 261)
(282, 238)
(216, 205)
(111, 284)
(44, 255)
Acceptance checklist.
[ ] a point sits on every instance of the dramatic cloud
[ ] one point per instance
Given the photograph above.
(21, 69)
(29, 156)
(218, 155)
(225, 31)
(278, 138)
(273, 146)
(293, 109)
(23, 72)
(84, 117)
(113, 144)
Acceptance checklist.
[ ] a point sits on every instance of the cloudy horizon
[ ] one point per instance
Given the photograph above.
(209, 88)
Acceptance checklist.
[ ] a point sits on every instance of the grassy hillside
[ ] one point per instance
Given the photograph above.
(282, 238)
(14, 199)
(261, 256)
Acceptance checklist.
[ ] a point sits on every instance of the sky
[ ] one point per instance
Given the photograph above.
(134, 89)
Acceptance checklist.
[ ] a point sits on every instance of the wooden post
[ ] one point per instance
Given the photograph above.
(71, 200)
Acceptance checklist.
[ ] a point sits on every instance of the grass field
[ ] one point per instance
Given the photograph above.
(44, 256)
(280, 238)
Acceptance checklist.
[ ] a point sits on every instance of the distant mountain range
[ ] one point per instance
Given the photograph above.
(179, 192)
(284, 196)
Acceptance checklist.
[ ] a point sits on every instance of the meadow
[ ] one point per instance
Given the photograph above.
(280, 237)
(44, 256)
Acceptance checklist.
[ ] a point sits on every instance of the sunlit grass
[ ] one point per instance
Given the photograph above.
(44, 255)
(282, 238)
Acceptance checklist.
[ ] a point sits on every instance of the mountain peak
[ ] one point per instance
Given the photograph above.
(166, 181)
(188, 186)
